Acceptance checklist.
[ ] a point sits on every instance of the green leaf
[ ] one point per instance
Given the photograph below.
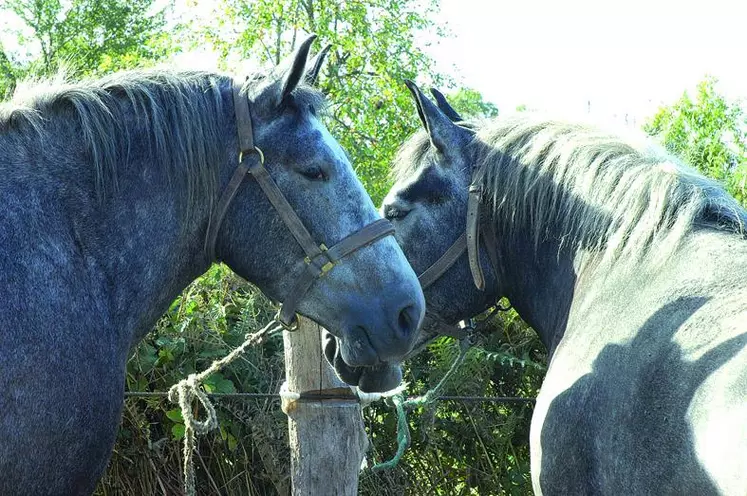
(232, 442)
(177, 431)
(225, 386)
(175, 415)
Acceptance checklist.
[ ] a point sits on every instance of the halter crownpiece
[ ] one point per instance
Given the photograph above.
(319, 259)
(468, 241)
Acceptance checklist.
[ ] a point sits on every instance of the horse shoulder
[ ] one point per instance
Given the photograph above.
(651, 373)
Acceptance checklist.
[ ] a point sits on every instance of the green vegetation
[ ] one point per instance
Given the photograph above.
(80, 36)
(469, 103)
(709, 133)
(457, 448)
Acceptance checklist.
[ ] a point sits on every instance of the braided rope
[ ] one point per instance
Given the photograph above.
(186, 391)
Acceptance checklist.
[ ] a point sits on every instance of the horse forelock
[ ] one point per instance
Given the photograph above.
(304, 96)
(613, 195)
(409, 157)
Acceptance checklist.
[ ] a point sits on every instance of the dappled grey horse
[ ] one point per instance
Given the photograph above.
(631, 267)
(111, 205)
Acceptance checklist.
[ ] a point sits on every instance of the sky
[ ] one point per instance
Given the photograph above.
(623, 57)
(621, 60)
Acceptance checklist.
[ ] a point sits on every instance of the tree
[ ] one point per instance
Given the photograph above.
(373, 52)
(709, 133)
(8, 74)
(84, 36)
(469, 103)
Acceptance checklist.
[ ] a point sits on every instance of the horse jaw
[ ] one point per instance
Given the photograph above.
(374, 379)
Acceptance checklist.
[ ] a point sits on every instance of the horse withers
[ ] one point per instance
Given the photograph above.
(109, 188)
(629, 265)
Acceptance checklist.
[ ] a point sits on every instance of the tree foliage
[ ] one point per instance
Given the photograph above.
(709, 133)
(470, 103)
(373, 52)
(83, 36)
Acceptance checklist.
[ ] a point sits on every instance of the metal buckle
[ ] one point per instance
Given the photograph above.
(327, 266)
(256, 150)
(468, 327)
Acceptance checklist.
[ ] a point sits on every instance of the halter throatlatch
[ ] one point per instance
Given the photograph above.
(319, 259)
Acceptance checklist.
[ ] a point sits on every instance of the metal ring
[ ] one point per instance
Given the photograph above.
(261, 155)
(292, 326)
(256, 150)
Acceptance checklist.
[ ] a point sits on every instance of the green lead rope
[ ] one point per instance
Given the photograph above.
(402, 406)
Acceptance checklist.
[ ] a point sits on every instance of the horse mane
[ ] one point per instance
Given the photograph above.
(181, 112)
(615, 196)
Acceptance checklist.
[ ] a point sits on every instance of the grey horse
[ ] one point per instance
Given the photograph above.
(630, 266)
(107, 188)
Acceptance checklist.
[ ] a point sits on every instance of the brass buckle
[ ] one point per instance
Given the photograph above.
(467, 332)
(256, 150)
(324, 268)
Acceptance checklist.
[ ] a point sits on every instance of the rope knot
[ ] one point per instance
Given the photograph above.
(187, 390)
(184, 393)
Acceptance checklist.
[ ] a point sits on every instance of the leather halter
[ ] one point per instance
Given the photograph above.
(319, 259)
(468, 241)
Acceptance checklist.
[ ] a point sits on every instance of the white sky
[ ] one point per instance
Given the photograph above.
(627, 56)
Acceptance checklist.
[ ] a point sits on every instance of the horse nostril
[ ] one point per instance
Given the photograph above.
(407, 321)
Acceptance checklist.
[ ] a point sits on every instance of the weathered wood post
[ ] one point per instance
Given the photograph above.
(327, 437)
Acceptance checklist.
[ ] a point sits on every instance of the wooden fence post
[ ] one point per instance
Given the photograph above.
(327, 437)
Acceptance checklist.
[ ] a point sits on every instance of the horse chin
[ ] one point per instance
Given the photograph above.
(369, 379)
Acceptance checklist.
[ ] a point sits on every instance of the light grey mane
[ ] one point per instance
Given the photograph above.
(181, 112)
(611, 195)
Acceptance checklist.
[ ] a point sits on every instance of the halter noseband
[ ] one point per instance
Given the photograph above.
(319, 259)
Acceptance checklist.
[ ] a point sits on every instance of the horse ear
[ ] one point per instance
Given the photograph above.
(416, 96)
(315, 65)
(292, 76)
(436, 123)
(445, 107)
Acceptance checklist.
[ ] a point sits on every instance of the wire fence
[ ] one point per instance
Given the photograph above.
(312, 396)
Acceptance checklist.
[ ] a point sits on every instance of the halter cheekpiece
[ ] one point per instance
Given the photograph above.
(319, 258)
(468, 241)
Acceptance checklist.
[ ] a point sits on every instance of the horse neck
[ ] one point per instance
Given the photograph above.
(146, 253)
(539, 281)
(145, 238)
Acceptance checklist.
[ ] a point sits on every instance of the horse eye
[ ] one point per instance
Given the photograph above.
(314, 174)
(392, 212)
